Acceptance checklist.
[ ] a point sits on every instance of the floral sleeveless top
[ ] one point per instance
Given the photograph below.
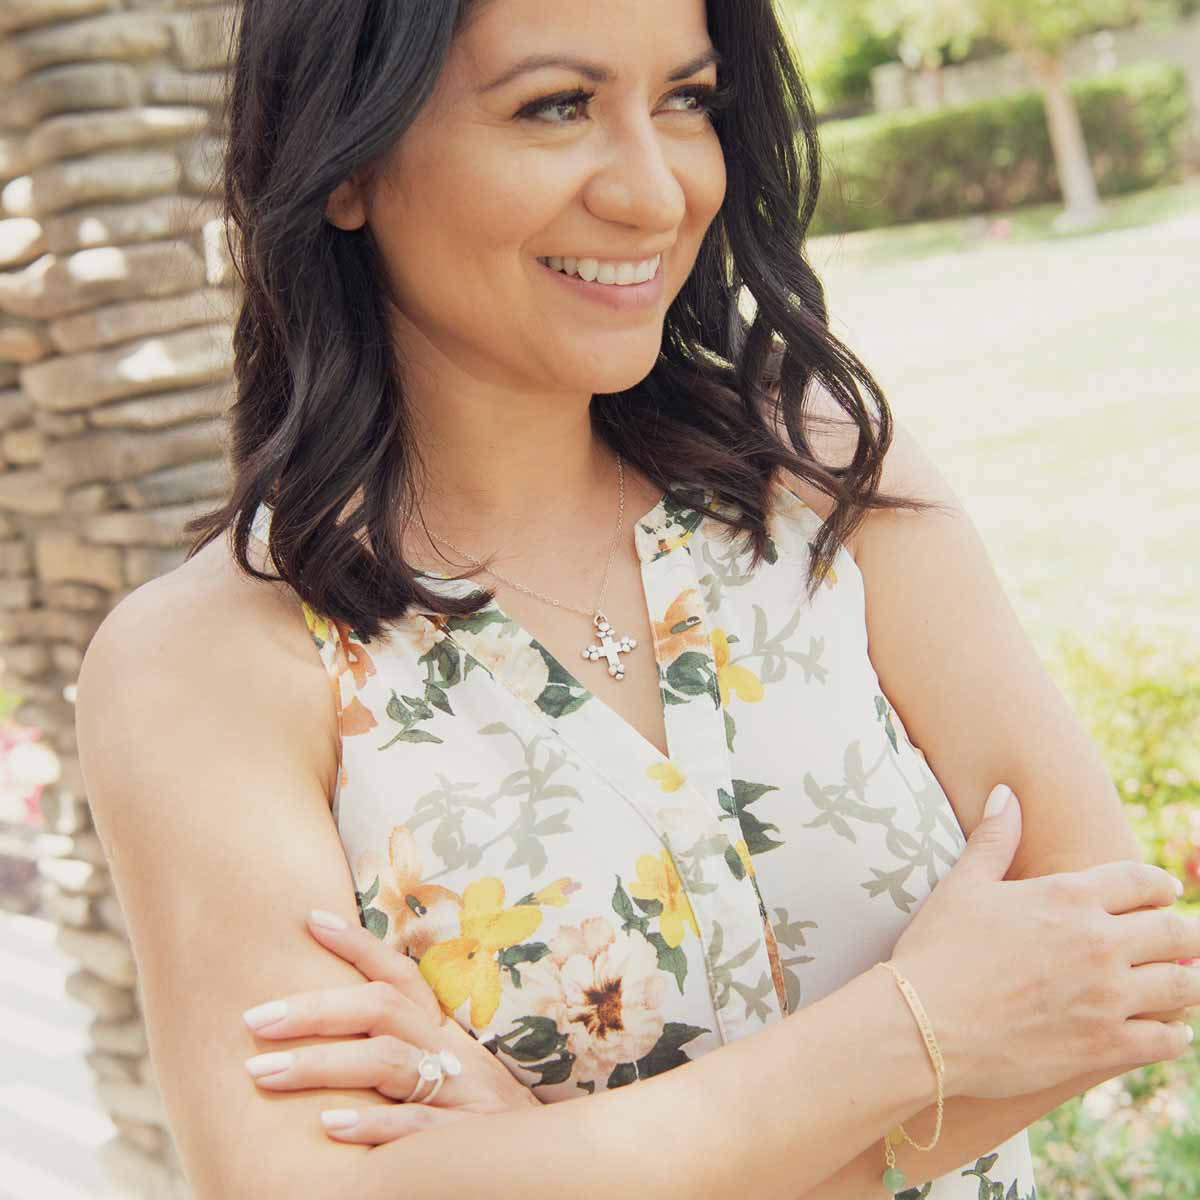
(594, 912)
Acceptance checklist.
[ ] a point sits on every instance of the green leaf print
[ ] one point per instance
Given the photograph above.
(512, 956)
(537, 1045)
(756, 832)
(623, 907)
(883, 710)
(691, 674)
(671, 959)
(622, 1074)
(734, 861)
(992, 1189)
(666, 1053)
(562, 693)
(467, 824)
(442, 662)
(407, 711)
(373, 920)
(476, 622)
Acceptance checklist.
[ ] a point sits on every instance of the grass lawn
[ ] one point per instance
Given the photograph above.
(1054, 379)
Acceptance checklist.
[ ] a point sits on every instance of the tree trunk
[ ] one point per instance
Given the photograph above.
(1075, 175)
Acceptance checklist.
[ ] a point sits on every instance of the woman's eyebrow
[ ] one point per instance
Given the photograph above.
(594, 71)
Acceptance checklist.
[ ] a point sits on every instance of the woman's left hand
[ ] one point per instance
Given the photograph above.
(401, 1018)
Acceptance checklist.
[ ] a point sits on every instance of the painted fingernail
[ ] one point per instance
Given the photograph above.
(326, 920)
(339, 1118)
(1178, 886)
(269, 1064)
(265, 1014)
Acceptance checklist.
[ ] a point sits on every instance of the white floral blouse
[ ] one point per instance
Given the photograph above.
(594, 912)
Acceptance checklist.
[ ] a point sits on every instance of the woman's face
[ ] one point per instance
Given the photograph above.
(507, 167)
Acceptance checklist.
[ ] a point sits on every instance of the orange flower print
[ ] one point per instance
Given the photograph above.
(352, 656)
(465, 968)
(741, 681)
(682, 628)
(418, 913)
(658, 879)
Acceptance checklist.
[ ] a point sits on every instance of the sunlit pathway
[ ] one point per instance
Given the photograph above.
(51, 1126)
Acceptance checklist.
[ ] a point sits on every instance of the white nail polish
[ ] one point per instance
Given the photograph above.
(339, 1118)
(265, 1014)
(326, 920)
(1178, 884)
(269, 1064)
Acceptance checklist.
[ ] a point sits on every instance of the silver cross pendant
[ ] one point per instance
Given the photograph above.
(609, 648)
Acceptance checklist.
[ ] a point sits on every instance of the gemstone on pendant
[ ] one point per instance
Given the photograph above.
(894, 1179)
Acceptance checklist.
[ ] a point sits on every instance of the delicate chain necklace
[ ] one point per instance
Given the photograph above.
(610, 648)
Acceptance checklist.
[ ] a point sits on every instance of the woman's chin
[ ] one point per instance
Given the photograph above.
(618, 372)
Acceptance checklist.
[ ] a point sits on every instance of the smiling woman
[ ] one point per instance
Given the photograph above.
(593, 832)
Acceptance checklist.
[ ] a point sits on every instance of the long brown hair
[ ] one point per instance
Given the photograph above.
(320, 91)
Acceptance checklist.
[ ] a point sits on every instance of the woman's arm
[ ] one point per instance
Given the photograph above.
(989, 711)
(200, 713)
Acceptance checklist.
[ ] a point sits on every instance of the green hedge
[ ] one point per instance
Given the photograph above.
(890, 168)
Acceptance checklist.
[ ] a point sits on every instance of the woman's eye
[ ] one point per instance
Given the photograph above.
(699, 98)
(551, 104)
(702, 98)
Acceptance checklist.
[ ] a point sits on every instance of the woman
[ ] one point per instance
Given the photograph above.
(492, 253)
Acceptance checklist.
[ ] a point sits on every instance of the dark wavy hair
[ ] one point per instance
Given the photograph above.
(323, 89)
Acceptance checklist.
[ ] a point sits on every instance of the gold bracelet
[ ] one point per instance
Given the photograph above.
(893, 1178)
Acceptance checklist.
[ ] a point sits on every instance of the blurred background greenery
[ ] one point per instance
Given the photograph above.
(1010, 240)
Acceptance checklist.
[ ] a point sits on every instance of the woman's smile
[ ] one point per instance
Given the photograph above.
(622, 297)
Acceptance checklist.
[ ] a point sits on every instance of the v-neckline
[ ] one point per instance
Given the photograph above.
(650, 548)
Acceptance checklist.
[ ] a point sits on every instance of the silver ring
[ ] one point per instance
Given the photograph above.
(433, 1067)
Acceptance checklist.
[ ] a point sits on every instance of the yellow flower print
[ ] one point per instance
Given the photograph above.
(829, 576)
(556, 893)
(743, 852)
(666, 545)
(317, 625)
(730, 678)
(465, 968)
(669, 777)
(659, 880)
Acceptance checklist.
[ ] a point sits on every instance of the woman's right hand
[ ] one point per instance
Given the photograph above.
(1029, 983)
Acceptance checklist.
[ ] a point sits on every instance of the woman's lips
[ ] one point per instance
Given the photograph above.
(628, 297)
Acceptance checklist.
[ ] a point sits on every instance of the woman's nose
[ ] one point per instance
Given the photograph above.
(638, 184)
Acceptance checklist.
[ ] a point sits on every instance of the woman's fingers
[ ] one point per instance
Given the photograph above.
(385, 1123)
(375, 1007)
(1126, 885)
(375, 960)
(1164, 990)
(384, 1063)
(1156, 936)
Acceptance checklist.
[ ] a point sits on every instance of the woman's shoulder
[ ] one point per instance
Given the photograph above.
(224, 642)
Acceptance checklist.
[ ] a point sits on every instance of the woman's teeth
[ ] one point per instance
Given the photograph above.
(622, 274)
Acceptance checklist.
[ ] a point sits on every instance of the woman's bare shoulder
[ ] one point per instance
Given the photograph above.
(229, 639)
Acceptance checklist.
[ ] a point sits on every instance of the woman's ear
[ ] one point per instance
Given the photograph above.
(345, 207)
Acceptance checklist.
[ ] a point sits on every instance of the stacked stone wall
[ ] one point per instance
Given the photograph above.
(116, 297)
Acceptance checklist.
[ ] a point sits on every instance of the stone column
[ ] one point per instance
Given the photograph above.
(115, 309)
